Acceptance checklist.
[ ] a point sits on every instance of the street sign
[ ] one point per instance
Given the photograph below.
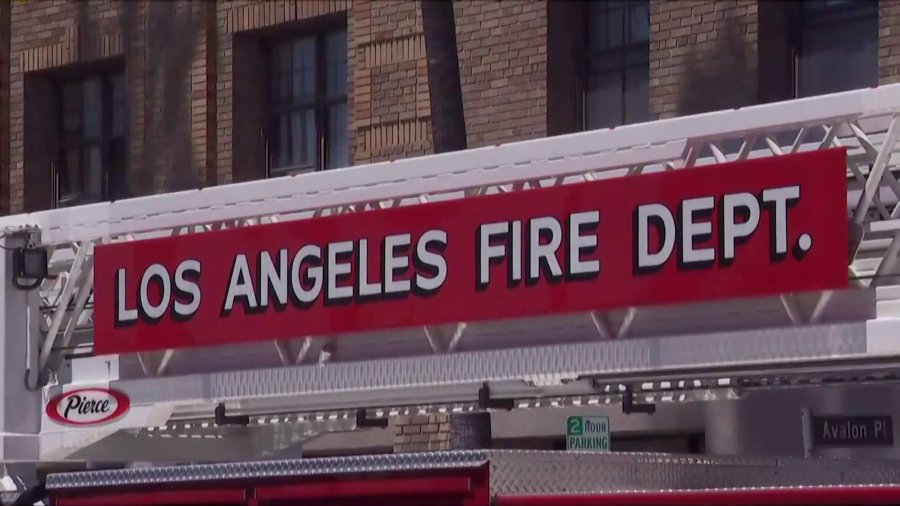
(587, 433)
(849, 431)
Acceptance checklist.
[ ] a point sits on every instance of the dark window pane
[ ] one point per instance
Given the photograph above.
(303, 76)
(639, 28)
(118, 156)
(309, 89)
(92, 166)
(596, 29)
(838, 34)
(303, 86)
(637, 94)
(279, 146)
(92, 174)
(281, 57)
(604, 101)
(615, 27)
(93, 108)
(618, 73)
(71, 124)
(336, 57)
(69, 175)
(119, 98)
(72, 96)
(281, 71)
(293, 145)
(338, 150)
(303, 138)
(72, 110)
(281, 87)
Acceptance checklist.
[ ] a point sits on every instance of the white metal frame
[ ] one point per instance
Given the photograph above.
(866, 121)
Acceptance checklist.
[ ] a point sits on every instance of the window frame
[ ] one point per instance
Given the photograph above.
(321, 104)
(109, 175)
(587, 56)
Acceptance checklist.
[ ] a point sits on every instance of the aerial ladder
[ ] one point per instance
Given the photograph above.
(322, 382)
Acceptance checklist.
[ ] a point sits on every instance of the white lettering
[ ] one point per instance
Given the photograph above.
(394, 264)
(313, 255)
(364, 287)
(433, 264)
(779, 199)
(186, 287)
(578, 243)
(273, 278)
(691, 230)
(123, 314)
(338, 271)
(732, 231)
(155, 311)
(240, 286)
(665, 223)
(544, 254)
(489, 253)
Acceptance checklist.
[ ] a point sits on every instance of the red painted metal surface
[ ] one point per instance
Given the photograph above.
(887, 495)
(728, 239)
(457, 486)
(468, 487)
(217, 496)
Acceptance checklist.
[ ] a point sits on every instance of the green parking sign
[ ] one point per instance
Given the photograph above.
(587, 433)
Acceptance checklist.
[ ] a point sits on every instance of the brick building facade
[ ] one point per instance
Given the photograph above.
(107, 99)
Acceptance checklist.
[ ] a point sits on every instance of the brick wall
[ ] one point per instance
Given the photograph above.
(457, 431)
(421, 433)
(5, 29)
(704, 55)
(503, 67)
(391, 106)
(889, 41)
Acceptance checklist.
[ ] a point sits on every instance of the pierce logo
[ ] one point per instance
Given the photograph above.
(88, 406)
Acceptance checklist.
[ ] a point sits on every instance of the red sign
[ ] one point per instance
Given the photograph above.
(742, 229)
(88, 406)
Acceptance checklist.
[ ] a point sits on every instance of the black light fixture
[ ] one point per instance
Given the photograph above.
(629, 407)
(223, 420)
(362, 422)
(486, 402)
(29, 264)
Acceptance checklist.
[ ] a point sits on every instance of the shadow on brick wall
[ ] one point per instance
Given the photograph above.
(721, 78)
(165, 60)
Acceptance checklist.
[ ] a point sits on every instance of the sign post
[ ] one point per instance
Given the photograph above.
(587, 433)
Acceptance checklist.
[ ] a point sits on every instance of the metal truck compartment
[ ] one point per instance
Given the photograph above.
(483, 478)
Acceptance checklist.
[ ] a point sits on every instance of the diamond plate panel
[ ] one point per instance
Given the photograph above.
(270, 469)
(535, 472)
(516, 472)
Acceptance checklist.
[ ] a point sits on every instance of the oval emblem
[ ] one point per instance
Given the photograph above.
(88, 406)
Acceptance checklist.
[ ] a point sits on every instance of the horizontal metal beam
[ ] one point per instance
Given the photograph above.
(407, 380)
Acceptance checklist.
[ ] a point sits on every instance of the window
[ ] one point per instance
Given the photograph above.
(837, 46)
(91, 163)
(307, 126)
(616, 87)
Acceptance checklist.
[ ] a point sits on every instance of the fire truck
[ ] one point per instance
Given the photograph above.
(736, 267)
